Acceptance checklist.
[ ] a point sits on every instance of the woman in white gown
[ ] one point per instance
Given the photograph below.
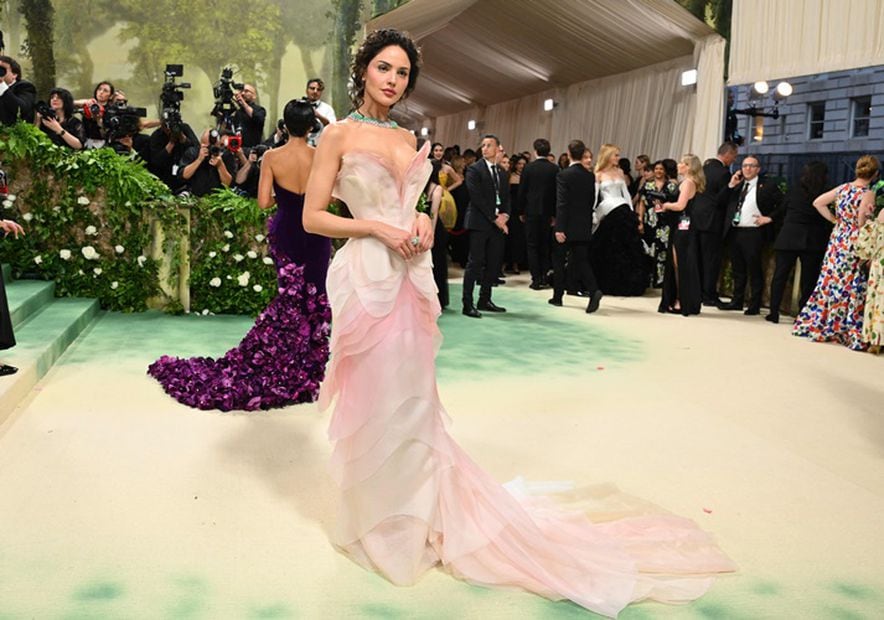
(618, 256)
(410, 498)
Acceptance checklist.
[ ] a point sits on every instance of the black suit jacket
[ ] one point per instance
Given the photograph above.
(18, 101)
(709, 207)
(575, 201)
(803, 227)
(483, 207)
(537, 188)
(252, 126)
(768, 197)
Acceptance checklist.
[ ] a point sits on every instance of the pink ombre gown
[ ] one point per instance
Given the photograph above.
(410, 497)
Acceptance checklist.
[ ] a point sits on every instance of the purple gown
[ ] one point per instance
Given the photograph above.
(281, 360)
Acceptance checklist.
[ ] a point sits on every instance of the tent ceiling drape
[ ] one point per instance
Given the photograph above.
(481, 53)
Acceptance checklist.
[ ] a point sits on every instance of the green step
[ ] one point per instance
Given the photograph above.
(40, 342)
(7, 273)
(26, 298)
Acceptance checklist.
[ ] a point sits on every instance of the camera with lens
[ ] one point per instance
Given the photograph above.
(44, 110)
(121, 120)
(224, 90)
(214, 143)
(93, 111)
(171, 97)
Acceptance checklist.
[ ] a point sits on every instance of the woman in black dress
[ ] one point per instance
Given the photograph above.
(681, 283)
(433, 193)
(656, 226)
(7, 338)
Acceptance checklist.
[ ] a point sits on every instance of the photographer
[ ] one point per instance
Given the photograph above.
(56, 119)
(250, 170)
(168, 145)
(93, 111)
(325, 114)
(17, 96)
(249, 115)
(207, 167)
(279, 137)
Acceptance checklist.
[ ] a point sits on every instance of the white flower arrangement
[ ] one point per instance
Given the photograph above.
(97, 271)
(91, 230)
(11, 197)
(82, 200)
(213, 254)
(252, 254)
(225, 247)
(238, 257)
(267, 260)
(64, 254)
(56, 208)
(257, 288)
(7, 204)
(89, 253)
(141, 260)
(115, 285)
(259, 238)
(228, 234)
(216, 282)
(243, 278)
(119, 249)
(27, 217)
(38, 259)
(205, 312)
(80, 272)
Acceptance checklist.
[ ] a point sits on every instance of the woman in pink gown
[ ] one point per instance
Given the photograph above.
(410, 498)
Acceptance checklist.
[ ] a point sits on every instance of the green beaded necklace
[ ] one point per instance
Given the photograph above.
(361, 118)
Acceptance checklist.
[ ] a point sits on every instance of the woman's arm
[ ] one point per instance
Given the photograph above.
(688, 189)
(866, 206)
(266, 199)
(822, 202)
(318, 220)
(435, 201)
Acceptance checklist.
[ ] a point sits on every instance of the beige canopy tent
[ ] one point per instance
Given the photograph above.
(613, 70)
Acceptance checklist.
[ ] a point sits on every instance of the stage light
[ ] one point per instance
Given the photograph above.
(760, 88)
(471, 125)
(784, 89)
(425, 131)
(689, 77)
(548, 105)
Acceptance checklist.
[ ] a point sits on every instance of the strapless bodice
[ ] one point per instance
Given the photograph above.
(365, 268)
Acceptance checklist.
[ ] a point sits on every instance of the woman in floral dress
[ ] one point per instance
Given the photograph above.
(835, 309)
(870, 247)
(655, 226)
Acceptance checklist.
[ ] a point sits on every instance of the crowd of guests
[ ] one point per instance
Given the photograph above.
(616, 227)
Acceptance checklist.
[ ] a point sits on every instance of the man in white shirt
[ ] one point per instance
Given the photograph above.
(324, 112)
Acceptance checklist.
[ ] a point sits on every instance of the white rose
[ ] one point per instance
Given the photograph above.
(64, 254)
(80, 272)
(252, 254)
(128, 203)
(89, 253)
(216, 282)
(27, 217)
(7, 204)
(90, 230)
(226, 247)
(114, 285)
(97, 271)
(213, 254)
(82, 200)
(141, 260)
(119, 249)
(257, 288)
(243, 278)
(56, 208)
(11, 197)
(259, 238)
(205, 312)
(228, 234)
(38, 259)
(267, 260)
(238, 257)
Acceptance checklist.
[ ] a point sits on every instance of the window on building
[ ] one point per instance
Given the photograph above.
(861, 111)
(816, 118)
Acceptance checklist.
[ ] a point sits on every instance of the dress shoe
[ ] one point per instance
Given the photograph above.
(594, 301)
(752, 312)
(471, 312)
(6, 369)
(773, 317)
(731, 306)
(536, 286)
(490, 306)
(555, 301)
(713, 303)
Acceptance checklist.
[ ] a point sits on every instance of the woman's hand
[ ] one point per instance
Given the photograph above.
(423, 230)
(53, 125)
(8, 226)
(396, 239)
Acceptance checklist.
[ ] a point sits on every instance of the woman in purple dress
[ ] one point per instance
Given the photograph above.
(281, 361)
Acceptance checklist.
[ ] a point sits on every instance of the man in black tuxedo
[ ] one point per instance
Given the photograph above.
(575, 201)
(537, 203)
(249, 115)
(17, 96)
(753, 205)
(708, 219)
(486, 220)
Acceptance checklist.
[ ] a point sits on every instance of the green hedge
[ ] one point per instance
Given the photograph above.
(89, 218)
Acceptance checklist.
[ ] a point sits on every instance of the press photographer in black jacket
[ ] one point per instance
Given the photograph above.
(57, 120)
(17, 96)
(168, 145)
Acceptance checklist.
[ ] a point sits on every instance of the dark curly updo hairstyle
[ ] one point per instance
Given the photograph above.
(299, 118)
(373, 44)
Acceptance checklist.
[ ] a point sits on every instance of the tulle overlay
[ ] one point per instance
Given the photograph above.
(410, 498)
(281, 361)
